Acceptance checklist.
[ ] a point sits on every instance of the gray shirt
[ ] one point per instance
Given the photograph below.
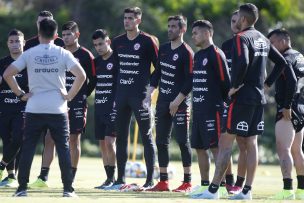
(46, 67)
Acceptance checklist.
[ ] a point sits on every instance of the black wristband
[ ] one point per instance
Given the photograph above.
(21, 95)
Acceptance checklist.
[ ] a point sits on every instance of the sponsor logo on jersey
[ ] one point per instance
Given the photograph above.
(109, 66)
(175, 57)
(205, 61)
(136, 46)
(46, 60)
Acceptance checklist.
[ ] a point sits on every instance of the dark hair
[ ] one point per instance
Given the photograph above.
(281, 33)
(135, 10)
(203, 24)
(100, 33)
(15, 32)
(235, 12)
(70, 25)
(45, 14)
(48, 28)
(250, 12)
(182, 20)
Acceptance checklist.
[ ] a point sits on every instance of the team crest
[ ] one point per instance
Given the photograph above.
(205, 61)
(136, 46)
(109, 66)
(175, 57)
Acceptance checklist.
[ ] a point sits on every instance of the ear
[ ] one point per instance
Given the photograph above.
(138, 21)
(77, 34)
(109, 41)
(56, 36)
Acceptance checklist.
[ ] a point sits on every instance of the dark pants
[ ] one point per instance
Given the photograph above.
(11, 129)
(125, 106)
(58, 125)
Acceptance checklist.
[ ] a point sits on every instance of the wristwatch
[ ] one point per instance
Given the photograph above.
(21, 95)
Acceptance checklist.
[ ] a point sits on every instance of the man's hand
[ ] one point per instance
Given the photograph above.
(146, 103)
(26, 96)
(233, 90)
(173, 107)
(65, 95)
(286, 114)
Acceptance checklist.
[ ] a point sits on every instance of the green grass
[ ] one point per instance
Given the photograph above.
(91, 173)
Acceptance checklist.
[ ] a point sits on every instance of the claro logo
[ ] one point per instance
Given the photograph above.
(46, 60)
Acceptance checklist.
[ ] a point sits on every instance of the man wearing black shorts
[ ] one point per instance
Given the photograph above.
(173, 75)
(245, 116)
(106, 77)
(11, 110)
(211, 82)
(288, 131)
(136, 50)
(46, 107)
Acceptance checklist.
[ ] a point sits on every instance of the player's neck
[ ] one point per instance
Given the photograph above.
(132, 34)
(15, 56)
(207, 43)
(176, 43)
(73, 47)
(107, 55)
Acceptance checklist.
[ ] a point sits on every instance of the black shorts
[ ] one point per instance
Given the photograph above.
(164, 121)
(104, 125)
(77, 119)
(245, 120)
(297, 116)
(206, 130)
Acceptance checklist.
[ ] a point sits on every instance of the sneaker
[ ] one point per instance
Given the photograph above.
(223, 192)
(106, 184)
(198, 191)
(284, 195)
(130, 187)
(161, 186)
(20, 193)
(39, 183)
(116, 186)
(233, 189)
(206, 195)
(145, 187)
(12, 183)
(69, 194)
(1, 174)
(4, 182)
(241, 196)
(185, 187)
(300, 194)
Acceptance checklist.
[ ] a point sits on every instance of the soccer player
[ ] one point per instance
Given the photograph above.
(11, 110)
(211, 83)
(136, 50)
(34, 41)
(106, 76)
(173, 75)
(47, 158)
(289, 130)
(241, 170)
(47, 104)
(245, 116)
(78, 106)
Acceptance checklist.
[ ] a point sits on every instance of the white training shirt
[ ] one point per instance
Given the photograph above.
(46, 67)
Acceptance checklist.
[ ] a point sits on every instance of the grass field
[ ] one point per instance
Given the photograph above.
(90, 173)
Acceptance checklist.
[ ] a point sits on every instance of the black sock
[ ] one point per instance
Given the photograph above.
(229, 179)
(205, 182)
(287, 183)
(74, 170)
(213, 188)
(2, 166)
(300, 182)
(223, 184)
(44, 173)
(246, 189)
(12, 176)
(239, 181)
(106, 167)
(163, 176)
(187, 178)
(111, 172)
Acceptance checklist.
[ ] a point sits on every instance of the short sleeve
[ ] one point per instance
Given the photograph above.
(20, 63)
(70, 60)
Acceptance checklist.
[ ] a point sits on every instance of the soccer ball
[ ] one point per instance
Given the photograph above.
(138, 170)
